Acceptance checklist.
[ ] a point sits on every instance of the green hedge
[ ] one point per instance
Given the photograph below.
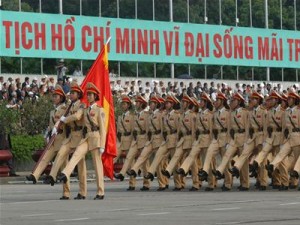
(24, 145)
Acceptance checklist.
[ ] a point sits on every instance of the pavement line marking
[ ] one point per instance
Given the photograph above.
(220, 209)
(28, 202)
(245, 201)
(227, 223)
(291, 203)
(150, 214)
(114, 210)
(45, 214)
(66, 220)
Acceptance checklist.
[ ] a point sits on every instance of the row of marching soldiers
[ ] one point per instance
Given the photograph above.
(74, 129)
(176, 138)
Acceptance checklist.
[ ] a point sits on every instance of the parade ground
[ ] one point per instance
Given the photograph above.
(28, 204)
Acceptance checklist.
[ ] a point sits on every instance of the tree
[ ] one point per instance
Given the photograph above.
(13, 5)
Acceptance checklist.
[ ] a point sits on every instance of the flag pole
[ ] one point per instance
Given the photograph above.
(108, 40)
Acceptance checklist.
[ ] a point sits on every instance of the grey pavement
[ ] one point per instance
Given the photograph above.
(29, 204)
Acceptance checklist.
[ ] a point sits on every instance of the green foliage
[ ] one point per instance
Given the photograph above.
(35, 116)
(24, 145)
(13, 5)
(9, 119)
(25, 126)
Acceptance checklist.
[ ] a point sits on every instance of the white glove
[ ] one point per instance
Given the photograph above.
(47, 139)
(54, 131)
(101, 150)
(63, 119)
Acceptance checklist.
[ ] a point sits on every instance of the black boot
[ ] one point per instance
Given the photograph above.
(149, 176)
(79, 197)
(166, 173)
(50, 180)
(99, 197)
(203, 175)
(218, 175)
(119, 176)
(63, 178)
(294, 174)
(131, 173)
(31, 178)
(235, 172)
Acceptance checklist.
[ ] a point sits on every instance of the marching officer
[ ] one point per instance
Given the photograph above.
(74, 126)
(186, 134)
(94, 138)
(155, 137)
(255, 139)
(59, 99)
(239, 121)
(124, 130)
(167, 148)
(203, 136)
(221, 126)
(139, 133)
(273, 133)
(292, 135)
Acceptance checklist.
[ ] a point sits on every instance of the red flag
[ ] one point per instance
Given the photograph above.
(99, 76)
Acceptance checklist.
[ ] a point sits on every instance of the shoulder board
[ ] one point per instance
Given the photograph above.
(211, 112)
(177, 112)
(64, 107)
(82, 106)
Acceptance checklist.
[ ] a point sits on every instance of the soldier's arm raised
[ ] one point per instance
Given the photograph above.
(76, 116)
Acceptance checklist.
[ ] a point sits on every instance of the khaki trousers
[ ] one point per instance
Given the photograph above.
(160, 162)
(263, 154)
(246, 153)
(60, 162)
(44, 162)
(144, 162)
(132, 154)
(194, 161)
(262, 175)
(177, 155)
(297, 165)
(162, 180)
(212, 151)
(143, 158)
(161, 154)
(284, 160)
(130, 158)
(79, 155)
(195, 170)
(119, 152)
(229, 154)
(280, 174)
(285, 151)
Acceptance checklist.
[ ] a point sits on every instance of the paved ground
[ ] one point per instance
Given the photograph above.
(38, 204)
